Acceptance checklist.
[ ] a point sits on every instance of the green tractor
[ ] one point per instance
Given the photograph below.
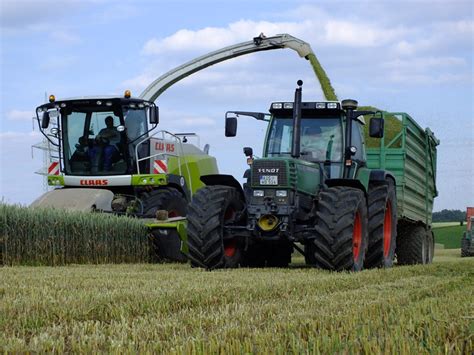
(311, 191)
(467, 242)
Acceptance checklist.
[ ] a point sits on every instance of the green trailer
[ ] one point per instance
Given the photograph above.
(409, 153)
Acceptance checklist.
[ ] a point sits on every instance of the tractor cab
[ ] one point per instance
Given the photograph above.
(98, 135)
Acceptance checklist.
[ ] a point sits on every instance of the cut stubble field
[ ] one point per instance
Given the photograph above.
(172, 308)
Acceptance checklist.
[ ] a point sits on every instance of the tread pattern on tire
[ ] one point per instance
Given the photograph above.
(412, 245)
(333, 245)
(166, 198)
(378, 197)
(205, 226)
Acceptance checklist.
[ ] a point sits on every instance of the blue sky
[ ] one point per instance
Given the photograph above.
(412, 56)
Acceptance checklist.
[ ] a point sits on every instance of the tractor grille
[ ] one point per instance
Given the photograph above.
(269, 168)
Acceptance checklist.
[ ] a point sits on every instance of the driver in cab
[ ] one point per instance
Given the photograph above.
(105, 146)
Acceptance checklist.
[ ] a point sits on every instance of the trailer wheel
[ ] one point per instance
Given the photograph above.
(211, 209)
(382, 226)
(412, 246)
(341, 237)
(165, 246)
(430, 244)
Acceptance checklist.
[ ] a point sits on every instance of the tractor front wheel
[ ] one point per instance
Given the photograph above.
(341, 237)
(212, 208)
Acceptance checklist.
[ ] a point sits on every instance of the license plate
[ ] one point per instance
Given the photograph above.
(268, 180)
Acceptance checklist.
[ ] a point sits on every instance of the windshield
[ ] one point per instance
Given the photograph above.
(92, 143)
(321, 138)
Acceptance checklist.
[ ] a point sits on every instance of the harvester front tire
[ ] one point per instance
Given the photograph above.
(168, 198)
(341, 236)
(165, 247)
(382, 226)
(213, 207)
(412, 246)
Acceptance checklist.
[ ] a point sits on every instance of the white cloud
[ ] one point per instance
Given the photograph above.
(353, 34)
(426, 63)
(18, 115)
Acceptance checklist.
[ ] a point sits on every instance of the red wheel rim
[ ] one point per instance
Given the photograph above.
(357, 237)
(230, 246)
(387, 230)
(173, 213)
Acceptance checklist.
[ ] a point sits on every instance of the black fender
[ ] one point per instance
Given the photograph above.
(225, 180)
(380, 176)
(179, 183)
(346, 182)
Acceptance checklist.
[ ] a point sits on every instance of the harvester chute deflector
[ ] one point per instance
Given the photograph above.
(258, 44)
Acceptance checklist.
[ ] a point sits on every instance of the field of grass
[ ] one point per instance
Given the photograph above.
(450, 236)
(445, 224)
(33, 236)
(175, 309)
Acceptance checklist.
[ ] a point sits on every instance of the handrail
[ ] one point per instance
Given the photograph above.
(178, 156)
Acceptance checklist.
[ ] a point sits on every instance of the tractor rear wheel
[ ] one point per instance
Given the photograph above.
(165, 246)
(382, 226)
(412, 246)
(211, 209)
(341, 237)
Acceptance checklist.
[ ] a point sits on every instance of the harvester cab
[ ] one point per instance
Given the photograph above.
(110, 147)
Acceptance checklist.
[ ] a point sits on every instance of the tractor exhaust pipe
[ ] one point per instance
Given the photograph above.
(295, 149)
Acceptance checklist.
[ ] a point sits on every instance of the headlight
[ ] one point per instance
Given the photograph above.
(281, 193)
(332, 104)
(258, 193)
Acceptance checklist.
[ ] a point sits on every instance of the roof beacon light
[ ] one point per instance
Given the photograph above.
(127, 94)
(52, 98)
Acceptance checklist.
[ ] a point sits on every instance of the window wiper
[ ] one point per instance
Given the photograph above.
(279, 153)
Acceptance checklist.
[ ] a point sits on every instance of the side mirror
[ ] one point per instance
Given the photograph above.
(248, 151)
(154, 115)
(376, 127)
(230, 126)
(45, 120)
